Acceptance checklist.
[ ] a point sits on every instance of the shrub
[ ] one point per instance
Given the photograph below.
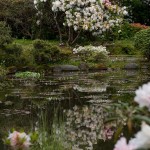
(91, 53)
(125, 47)
(122, 32)
(11, 55)
(14, 49)
(40, 44)
(5, 34)
(142, 42)
(45, 53)
(3, 72)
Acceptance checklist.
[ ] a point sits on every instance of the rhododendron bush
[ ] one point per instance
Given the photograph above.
(91, 53)
(96, 16)
(142, 138)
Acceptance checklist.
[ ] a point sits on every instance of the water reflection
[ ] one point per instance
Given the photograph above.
(82, 96)
(85, 126)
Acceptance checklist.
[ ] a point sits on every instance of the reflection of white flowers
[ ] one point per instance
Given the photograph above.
(19, 140)
(85, 126)
(143, 95)
(97, 88)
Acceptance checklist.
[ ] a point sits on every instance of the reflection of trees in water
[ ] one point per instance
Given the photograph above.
(84, 126)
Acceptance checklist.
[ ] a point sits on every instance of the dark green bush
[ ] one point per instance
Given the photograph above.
(40, 44)
(5, 34)
(10, 55)
(14, 49)
(3, 72)
(122, 32)
(124, 47)
(45, 53)
(142, 42)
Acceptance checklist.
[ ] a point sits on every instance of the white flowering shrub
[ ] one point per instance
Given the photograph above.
(96, 16)
(91, 53)
(93, 15)
(142, 138)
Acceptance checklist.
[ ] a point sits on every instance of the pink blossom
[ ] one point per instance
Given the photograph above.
(106, 2)
(143, 95)
(142, 138)
(122, 145)
(19, 140)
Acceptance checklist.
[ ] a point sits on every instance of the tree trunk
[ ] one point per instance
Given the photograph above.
(58, 27)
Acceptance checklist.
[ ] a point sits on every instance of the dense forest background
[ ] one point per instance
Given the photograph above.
(26, 22)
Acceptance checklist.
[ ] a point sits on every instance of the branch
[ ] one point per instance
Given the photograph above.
(60, 35)
(76, 37)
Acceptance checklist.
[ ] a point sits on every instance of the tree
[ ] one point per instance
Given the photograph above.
(20, 16)
(5, 34)
(95, 16)
(139, 10)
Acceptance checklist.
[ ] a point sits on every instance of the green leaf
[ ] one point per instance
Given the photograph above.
(142, 118)
(118, 132)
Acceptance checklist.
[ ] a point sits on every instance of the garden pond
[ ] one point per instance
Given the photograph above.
(72, 103)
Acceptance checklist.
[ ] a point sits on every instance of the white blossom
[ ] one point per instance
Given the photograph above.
(122, 145)
(90, 14)
(143, 95)
(142, 138)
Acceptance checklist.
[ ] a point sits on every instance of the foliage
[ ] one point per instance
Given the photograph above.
(91, 53)
(124, 31)
(142, 42)
(132, 113)
(5, 34)
(11, 55)
(79, 16)
(45, 53)
(3, 72)
(14, 49)
(53, 139)
(125, 47)
(139, 10)
(27, 74)
(20, 16)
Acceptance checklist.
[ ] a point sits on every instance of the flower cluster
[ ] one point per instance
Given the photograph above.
(141, 140)
(143, 96)
(92, 15)
(38, 1)
(94, 49)
(91, 53)
(19, 140)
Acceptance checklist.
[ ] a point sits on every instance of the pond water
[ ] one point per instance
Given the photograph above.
(72, 103)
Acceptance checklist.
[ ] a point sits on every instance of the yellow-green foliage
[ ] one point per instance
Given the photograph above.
(142, 42)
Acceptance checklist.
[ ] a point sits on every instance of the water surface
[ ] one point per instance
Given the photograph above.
(71, 101)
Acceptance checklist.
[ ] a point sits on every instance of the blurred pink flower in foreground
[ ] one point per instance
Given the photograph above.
(122, 145)
(19, 141)
(142, 138)
(143, 96)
